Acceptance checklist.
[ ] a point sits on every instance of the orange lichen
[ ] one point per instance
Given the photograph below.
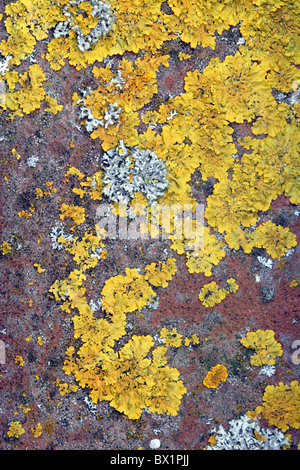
(215, 376)
(76, 213)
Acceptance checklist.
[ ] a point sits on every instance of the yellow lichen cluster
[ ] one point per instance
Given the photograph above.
(65, 388)
(28, 21)
(127, 293)
(5, 248)
(192, 340)
(37, 430)
(15, 429)
(91, 186)
(127, 378)
(275, 239)
(211, 294)
(27, 214)
(76, 213)
(202, 260)
(215, 376)
(25, 92)
(31, 94)
(171, 337)
(281, 406)
(19, 360)
(159, 274)
(86, 252)
(265, 346)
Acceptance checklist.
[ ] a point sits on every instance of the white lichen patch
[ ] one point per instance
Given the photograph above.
(110, 117)
(295, 93)
(32, 161)
(95, 304)
(100, 10)
(267, 370)
(268, 263)
(57, 232)
(4, 64)
(246, 434)
(110, 114)
(129, 170)
(154, 444)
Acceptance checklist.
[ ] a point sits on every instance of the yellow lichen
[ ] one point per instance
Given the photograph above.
(40, 341)
(203, 260)
(30, 95)
(211, 294)
(53, 107)
(28, 214)
(171, 337)
(161, 274)
(281, 405)
(39, 268)
(126, 293)
(232, 285)
(19, 360)
(65, 388)
(25, 409)
(37, 430)
(15, 154)
(265, 346)
(192, 340)
(5, 248)
(275, 239)
(138, 87)
(15, 429)
(127, 379)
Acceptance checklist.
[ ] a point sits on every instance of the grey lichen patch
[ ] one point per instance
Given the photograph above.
(100, 10)
(268, 293)
(56, 232)
(110, 115)
(129, 170)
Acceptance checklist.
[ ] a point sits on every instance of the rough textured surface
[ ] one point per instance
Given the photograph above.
(34, 328)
